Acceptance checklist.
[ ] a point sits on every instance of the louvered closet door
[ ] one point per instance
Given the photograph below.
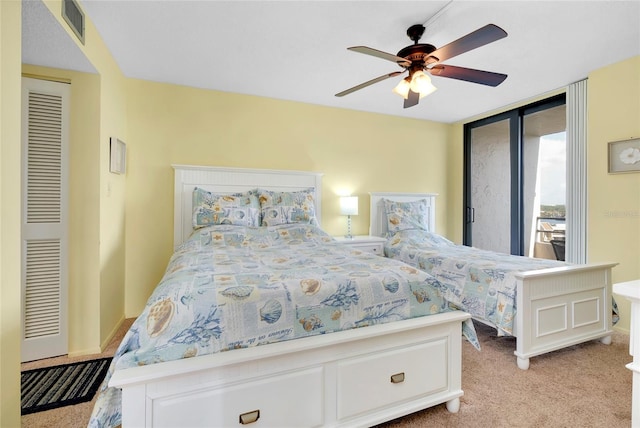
(44, 222)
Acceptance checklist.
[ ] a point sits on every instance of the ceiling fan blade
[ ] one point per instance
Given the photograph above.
(468, 74)
(368, 83)
(379, 54)
(482, 36)
(412, 99)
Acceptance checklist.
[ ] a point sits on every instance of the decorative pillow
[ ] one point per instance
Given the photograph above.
(240, 209)
(287, 207)
(406, 215)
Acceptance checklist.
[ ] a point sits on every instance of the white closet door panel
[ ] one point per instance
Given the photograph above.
(44, 225)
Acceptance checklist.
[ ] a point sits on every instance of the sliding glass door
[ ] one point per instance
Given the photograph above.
(514, 178)
(489, 175)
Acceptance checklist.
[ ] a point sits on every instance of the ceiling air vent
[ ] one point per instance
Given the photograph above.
(74, 16)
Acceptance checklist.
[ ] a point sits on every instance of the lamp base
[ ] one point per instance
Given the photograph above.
(348, 235)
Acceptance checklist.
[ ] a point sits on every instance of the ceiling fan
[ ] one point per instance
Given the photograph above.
(422, 57)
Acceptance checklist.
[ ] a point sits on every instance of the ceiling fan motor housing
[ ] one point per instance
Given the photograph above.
(416, 54)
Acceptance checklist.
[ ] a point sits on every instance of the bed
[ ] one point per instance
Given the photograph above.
(347, 338)
(558, 304)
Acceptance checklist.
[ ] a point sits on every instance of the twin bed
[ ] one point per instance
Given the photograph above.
(558, 304)
(346, 338)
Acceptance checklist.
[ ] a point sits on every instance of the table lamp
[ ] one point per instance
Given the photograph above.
(349, 207)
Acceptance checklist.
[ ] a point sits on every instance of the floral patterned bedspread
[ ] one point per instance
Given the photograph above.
(231, 287)
(479, 282)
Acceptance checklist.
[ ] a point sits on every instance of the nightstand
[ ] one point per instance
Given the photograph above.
(371, 244)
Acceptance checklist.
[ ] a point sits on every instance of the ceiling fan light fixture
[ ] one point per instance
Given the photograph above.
(421, 59)
(421, 83)
(403, 87)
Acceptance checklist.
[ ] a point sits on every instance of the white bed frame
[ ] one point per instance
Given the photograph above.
(557, 307)
(359, 377)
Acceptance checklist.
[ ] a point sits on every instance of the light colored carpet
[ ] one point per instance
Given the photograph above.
(585, 385)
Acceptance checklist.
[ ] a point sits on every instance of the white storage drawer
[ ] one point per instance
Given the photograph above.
(364, 243)
(292, 399)
(371, 248)
(365, 383)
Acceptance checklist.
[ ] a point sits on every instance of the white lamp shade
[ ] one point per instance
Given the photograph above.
(402, 88)
(349, 205)
(421, 83)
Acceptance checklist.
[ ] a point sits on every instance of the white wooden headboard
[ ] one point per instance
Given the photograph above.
(232, 180)
(378, 217)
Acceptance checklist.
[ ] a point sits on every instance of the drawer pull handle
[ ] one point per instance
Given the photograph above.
(397, 378)
(249, 417)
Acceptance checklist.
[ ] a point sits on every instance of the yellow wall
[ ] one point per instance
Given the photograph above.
(357, 153)
(454, 200)
(97, 197)
(614, 199)
(96, 252)
(10, 175)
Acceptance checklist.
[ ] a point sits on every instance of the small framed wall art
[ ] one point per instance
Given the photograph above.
(118, 156)
(624, 156)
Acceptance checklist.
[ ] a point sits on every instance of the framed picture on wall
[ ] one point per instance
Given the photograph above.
(118, 156)
(624, 156)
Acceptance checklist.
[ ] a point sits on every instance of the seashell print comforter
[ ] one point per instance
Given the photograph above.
(477, 281)
(230, 287)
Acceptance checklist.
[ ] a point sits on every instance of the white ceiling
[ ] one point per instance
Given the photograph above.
(296, 50)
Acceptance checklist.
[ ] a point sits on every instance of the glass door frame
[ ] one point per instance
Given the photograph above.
(516, 140)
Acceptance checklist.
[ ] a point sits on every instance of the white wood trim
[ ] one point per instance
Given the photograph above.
(584, 293)
(231, 180)
(631, 290)
(176, 390)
